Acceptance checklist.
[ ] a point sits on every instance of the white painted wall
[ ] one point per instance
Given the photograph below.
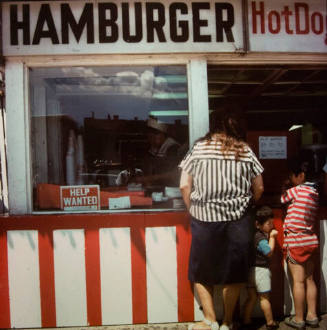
(24, 279)
(17, 139)
(70, 280)
(116, 276)
(161, 274)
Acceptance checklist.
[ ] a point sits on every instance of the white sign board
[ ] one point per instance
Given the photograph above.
(115, 27)
(288, 25)
(272, 147)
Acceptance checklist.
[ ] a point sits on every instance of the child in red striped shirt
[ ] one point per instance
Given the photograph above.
(301, 242)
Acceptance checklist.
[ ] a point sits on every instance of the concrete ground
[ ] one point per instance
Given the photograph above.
(259, 325)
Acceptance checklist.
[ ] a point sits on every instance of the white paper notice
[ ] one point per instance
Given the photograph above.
(119, 203)
(272, 147)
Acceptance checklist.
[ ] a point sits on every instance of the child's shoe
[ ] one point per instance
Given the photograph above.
(312, 323)
(273, 326)
(292, 323)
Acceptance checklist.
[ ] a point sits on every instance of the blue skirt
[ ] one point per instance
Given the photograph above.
(221, 252)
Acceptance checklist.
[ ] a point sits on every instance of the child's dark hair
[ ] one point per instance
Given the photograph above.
(263, 214)
(299, 165)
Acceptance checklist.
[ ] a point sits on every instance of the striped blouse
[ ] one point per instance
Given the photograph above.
(221, 184)
(301, 215)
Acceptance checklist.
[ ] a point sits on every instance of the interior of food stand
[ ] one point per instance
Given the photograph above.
(107, 110)
(281, 101)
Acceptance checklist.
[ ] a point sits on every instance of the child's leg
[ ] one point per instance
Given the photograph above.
(311, 294)
(298, 276)
(249, 305)
(266, 308)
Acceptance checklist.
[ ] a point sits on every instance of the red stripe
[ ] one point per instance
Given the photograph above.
(4, 283)
(277, 268)
(139, 291)
(90, 221)
(184, 287)
(92, 273)
(47, 282)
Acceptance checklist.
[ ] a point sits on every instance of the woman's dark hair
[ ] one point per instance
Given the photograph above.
(228, 124)
(229, 120)
(263, 214)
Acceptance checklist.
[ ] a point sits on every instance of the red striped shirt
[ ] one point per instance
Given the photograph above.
(301, 216)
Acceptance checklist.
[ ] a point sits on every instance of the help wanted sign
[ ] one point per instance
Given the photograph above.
(80, 198)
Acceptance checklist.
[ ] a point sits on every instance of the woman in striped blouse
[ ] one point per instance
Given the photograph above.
(301, 241)
(220, 177)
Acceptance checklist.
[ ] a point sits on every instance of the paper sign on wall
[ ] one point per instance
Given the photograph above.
(80, 198)
(272, 147)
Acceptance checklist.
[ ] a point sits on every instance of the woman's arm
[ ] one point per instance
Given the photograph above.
(185, 186)
(257, 187)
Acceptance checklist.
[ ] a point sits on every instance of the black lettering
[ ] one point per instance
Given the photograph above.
(151, 24)
(138, 23)
(45, 16)
(183, 25)
(104, 22)
(68, 19)
(222, 25)
(198, 23)
(15, 25)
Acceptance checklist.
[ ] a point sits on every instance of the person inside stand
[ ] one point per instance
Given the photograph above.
(162, 158)
(220, 177)
(301, 242)
(260, 275)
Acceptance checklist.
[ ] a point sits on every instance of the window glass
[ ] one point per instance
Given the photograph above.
(108, 137)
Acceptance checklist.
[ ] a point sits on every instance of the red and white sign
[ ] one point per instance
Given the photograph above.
(83, 198)
(288, 25)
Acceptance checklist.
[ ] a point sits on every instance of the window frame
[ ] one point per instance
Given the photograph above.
(19, 116)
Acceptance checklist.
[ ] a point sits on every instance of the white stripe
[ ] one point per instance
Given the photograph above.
(290, 221)
(161, 271)
(291, 238)
(304, 209)
(116, 276)
(302, 244)
(323, 261)
(24, 279)
(70, 284)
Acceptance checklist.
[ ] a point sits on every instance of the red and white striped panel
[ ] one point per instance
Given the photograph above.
(102, 272)
(80, 277)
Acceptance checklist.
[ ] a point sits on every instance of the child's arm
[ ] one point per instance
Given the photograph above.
(272, 241)
(267, 247)
(288, 195)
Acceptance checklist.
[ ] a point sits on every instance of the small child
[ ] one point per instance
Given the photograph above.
(301, 242)
(260, 275)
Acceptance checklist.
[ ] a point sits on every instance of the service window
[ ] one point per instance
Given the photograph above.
(285, 107)
(107, 138)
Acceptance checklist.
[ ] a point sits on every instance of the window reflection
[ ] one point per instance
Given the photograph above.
(122, 128)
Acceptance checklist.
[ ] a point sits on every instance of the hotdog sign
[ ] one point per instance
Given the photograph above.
(80, 198)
